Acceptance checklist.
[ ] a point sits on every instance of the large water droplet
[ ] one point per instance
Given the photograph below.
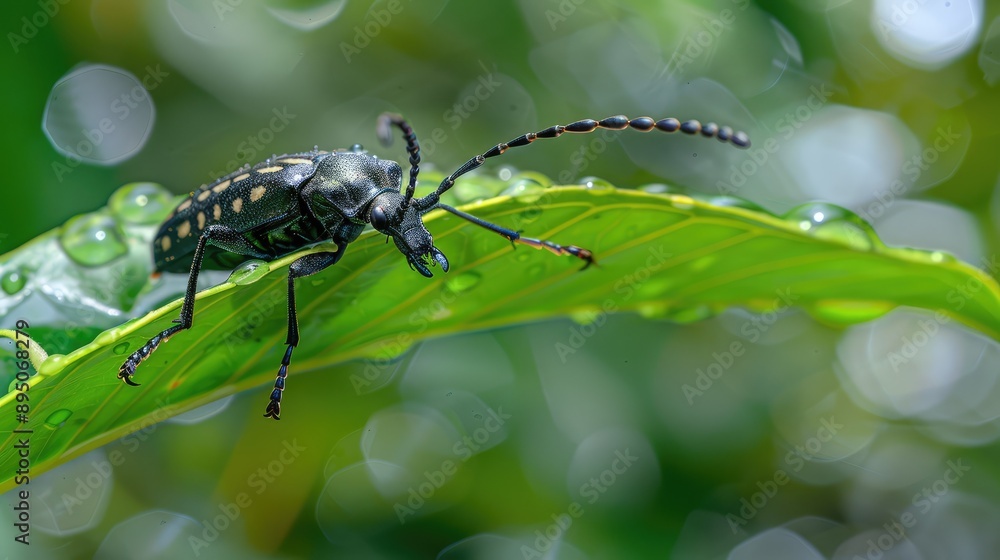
(57, 418)
(13, 281)
(309, 18)
(93, 239)
(463, 282)
(120, 348)
(827, 221)
(249, 272)
(141, 203)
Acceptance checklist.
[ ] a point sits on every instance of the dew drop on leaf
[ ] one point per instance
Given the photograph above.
(598, 185)
(828, 221)
(93, 239)
(57, 418)
(120, 348)
(13, 281)
(463, 282)
(249, 272)
(526, 188)
(141, 203)
(470, 191)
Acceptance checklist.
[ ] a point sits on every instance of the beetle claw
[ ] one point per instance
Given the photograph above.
(125, 375)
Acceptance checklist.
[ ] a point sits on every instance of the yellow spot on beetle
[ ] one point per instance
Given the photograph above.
(238, 205)
(201, 220)
(184, 229)
(239, 178)
(204, 195)
(221, 186)
(294, 160)
(165, 243)
(270, 169)
(256, 193)
(184, 205)
(216, 212)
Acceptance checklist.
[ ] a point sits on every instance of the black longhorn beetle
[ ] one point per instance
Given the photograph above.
(292, 201)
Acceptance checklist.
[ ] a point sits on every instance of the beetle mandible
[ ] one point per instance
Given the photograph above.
(289, 202)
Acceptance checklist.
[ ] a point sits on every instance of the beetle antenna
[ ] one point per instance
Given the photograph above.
(618, 122)
(384, 132)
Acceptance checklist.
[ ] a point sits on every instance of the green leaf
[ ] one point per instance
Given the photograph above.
(662, 255)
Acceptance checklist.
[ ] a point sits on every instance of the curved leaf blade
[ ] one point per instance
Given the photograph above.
(661, 255)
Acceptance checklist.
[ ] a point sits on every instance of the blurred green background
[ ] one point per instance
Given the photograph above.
(647, 439)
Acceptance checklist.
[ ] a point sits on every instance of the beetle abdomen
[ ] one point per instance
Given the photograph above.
(246, 200)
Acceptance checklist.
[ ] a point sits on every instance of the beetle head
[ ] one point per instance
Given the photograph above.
(389, 214)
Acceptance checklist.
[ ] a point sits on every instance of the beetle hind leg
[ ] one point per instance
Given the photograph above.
(305, 266)
(217, 235)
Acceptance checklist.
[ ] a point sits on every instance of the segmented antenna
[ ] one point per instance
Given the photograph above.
(617, 122)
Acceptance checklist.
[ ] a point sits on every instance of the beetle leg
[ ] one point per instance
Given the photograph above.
(218, 235)
(515, 237)
(304, 266)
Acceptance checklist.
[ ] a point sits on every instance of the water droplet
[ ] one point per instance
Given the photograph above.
(317, 281)
(141, 203)
(57, 418)
(733, 202)
(849, 312)
(120, 348)
(654, 310)
(681, 201)
(526, 187)
(93, 239)
(532, 177)
(470, 191)
(598, 185)
(827, 221)
(658, 188)
(521, 256)
(14, 281)
(528, 216)
(463, 282)
(249, 272)
(586, 315)
(693, 314)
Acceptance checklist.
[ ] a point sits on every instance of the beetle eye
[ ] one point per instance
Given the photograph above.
(379, 219)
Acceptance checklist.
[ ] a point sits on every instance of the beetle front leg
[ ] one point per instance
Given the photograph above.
(220, 236)
(305, 266)
(515, 237)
